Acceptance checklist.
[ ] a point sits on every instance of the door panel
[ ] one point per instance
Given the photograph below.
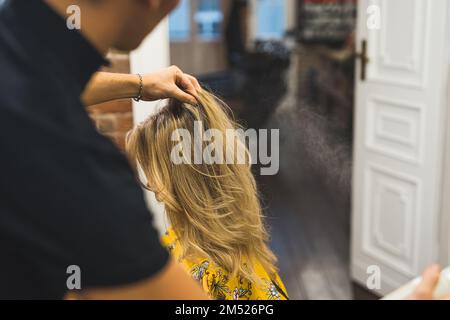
(399, 47)
(399, 140)
(390, 217)
(395, 128)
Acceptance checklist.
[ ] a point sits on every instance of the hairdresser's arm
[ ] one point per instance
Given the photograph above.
(172, 283)
(168, 83)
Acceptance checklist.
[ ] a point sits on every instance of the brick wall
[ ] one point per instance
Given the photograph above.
(114, 119)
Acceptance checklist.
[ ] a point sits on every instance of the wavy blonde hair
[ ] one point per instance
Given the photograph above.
(213, 208)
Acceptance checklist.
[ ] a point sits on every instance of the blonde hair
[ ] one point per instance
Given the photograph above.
(213, 208)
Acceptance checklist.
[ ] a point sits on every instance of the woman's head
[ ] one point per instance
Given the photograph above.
(212, 205)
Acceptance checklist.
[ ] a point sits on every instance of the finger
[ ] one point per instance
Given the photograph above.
(182, 96)
(429, 282)
(185, 83)
(194, 82)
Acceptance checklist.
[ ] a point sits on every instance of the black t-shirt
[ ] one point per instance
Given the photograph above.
(68, 197)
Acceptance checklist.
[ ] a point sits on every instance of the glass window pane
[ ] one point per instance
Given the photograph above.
(179, 22)
(209, 19)
(271, 18)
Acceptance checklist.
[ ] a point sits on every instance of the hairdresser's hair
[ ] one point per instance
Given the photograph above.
(213, 208)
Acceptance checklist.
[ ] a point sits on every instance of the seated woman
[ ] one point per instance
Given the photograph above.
(217, 229)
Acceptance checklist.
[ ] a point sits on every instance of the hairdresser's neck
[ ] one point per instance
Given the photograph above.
(99, 22)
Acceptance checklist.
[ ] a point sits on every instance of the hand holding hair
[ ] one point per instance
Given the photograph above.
(170, 83)
(167, 83)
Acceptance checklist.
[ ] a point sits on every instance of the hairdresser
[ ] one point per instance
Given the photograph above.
(72, 217)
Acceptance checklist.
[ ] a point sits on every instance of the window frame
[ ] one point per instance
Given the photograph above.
(194, 35)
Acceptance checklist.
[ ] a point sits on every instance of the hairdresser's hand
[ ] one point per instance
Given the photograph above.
(426, 288)
(170, 83)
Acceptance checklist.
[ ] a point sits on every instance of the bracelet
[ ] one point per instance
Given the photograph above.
(141, 89)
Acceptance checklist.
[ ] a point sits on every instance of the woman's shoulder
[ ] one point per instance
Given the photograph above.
(171, 242)
(218, 283)
(168, 237)
(221, 286)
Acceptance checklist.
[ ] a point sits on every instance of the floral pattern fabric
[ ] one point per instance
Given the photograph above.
(218, 283)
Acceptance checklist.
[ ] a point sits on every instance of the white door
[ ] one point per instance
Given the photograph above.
(400, 112)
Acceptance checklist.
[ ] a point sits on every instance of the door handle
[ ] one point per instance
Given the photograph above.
(364, 58)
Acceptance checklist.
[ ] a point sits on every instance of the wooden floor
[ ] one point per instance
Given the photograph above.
(310, 232)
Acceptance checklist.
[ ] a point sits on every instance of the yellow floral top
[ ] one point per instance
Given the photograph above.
(219, 285)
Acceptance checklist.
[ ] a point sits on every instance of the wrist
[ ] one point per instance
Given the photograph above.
(130, 86)
(141, 89)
